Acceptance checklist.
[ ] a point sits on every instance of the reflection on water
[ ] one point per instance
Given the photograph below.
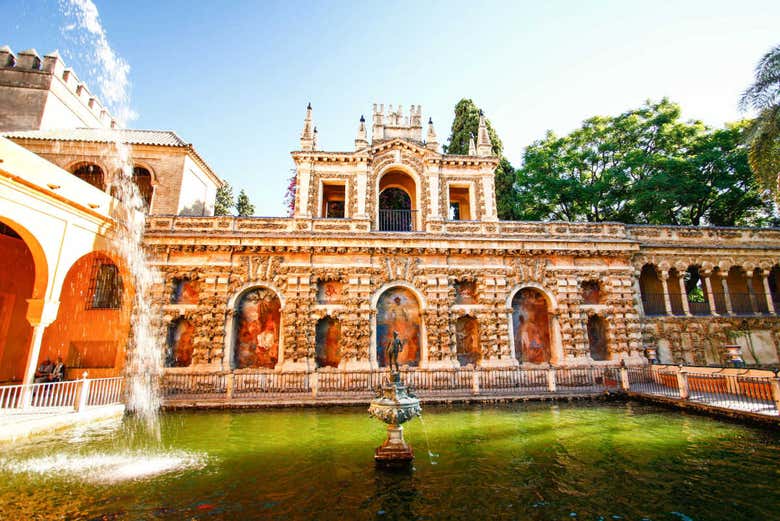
(531, 461)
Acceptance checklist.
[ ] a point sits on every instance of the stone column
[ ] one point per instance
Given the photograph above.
(361, 180)
(708, 287)
(40, 313)
(770, 304)
(664, 284)
(751, 291)
(684, 295)
(726, 295)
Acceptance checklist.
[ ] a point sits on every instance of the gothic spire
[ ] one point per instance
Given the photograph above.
(308, 136)
(484, 145)
(361, 140)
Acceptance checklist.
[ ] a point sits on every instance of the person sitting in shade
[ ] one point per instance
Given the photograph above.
(44, 371)
(58, 371)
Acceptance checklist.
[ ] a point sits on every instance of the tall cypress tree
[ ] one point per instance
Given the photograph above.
(464, 127)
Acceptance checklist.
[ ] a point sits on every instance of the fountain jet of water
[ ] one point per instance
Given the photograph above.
(145, 357)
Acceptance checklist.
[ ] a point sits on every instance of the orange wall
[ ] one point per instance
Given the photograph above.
(96, 337)
(17, 274)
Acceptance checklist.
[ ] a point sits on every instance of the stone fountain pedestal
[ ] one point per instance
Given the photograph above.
(394, 405)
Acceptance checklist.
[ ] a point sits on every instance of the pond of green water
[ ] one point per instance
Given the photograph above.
(594, 461)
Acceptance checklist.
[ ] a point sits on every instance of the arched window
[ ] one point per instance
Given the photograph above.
(143, 180)
(397, 202)
(91, 174)
(105, 285)
(696, 292)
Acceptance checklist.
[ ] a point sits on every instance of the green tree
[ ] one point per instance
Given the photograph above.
(763, 135)
(466, 126)
(642, 166)
(225, 200)
(244, 208)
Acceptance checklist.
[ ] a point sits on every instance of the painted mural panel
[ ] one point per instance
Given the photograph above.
(180, 334)
(591, 292)
(531, 322)
(257, 329)
(328, 335)
(185, 291)
(597, 338)
(329, 291)
(398, 310)
(465, 292)
(467, 340)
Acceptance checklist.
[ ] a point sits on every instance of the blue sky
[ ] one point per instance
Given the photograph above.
(234, 78)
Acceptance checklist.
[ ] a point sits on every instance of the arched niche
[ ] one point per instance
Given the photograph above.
(597, 338)
(257, 336)
(142, 178)
(179, 343)
(327, 342)
(398, 309)
(467, 346)
(531, 326)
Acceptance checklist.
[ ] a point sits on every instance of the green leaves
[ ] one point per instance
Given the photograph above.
(642, 166)
(224, 202)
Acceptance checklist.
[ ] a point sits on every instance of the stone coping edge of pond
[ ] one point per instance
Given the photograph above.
(738, 416)
(24, 424)
(279, 403)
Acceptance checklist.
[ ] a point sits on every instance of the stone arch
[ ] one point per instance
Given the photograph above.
(254, 329)
(93, 321)
(534, 327)
(145, 181)
(398, 306)
(327, 340)
(597, 338)
(23, 278)
(402, 177)
(179, 345)
(651, 290)
(739, 293)
(467, 346)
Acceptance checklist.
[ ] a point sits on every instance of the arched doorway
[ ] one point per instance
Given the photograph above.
(327, 339)
(597, 338)
(397, 202)
(179, 343)
(258, 329)
(467, 340)
(398, 310)
(93, 320)
(17, 278)
(531, 326)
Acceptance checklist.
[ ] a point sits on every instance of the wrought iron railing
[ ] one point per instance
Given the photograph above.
(397, 220)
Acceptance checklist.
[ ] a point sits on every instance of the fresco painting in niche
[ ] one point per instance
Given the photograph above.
(185, 291)
(257, 329)
(329, 291)
(467, 340)
(591, 293)
(465, 292)
(398, 310)
(180, 334)
(597, 337)
(531, 323)
(328, 335)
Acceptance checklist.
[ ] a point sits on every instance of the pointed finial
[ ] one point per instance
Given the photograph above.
(484, 145)
(472, 147)
(307, 136)
(308, 107)
(362, 119)
(431, 143)
(361, 140)
(430, 121)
